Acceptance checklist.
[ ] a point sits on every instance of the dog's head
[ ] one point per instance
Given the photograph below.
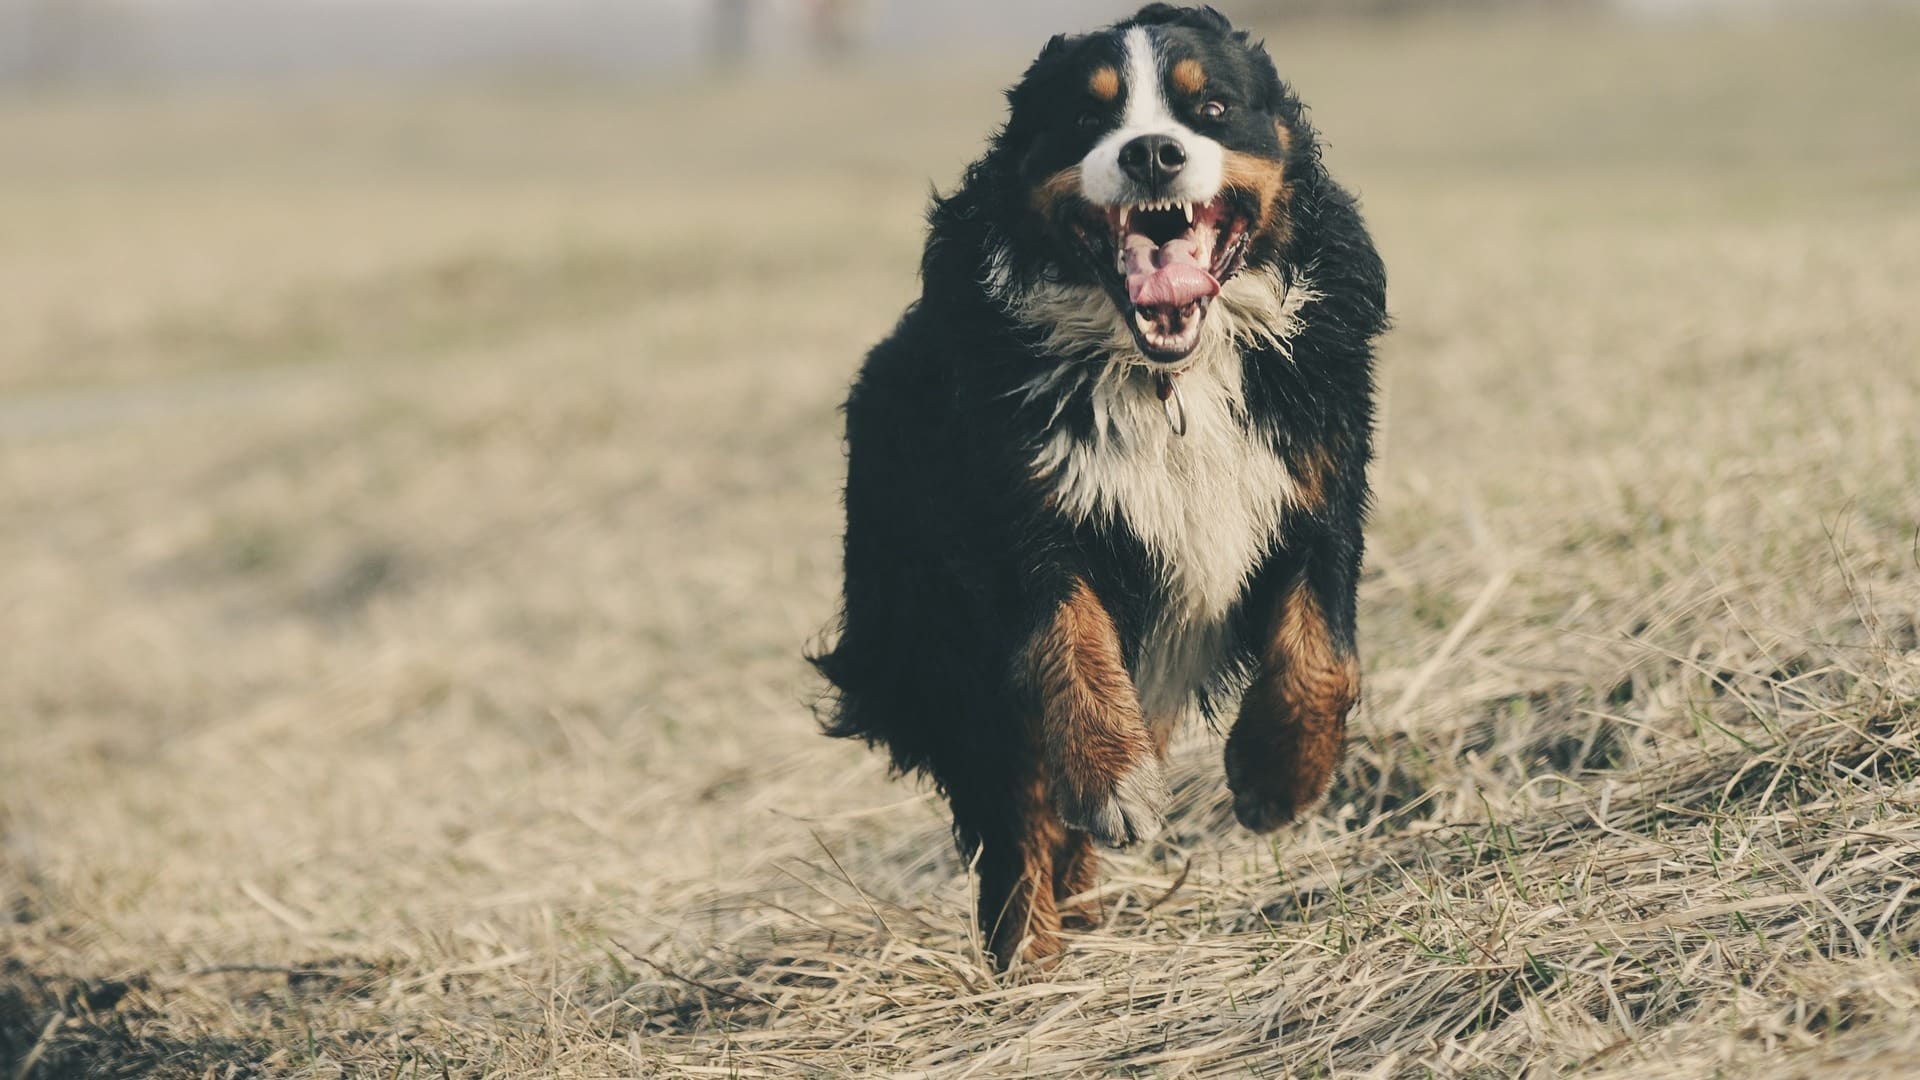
(1154, 161)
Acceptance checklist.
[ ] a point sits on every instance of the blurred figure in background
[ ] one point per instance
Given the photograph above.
(732, 33)
(42, 40)
(835, 28)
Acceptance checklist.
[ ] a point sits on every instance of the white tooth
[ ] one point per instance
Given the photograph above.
(1125, 211)
(1188, 207)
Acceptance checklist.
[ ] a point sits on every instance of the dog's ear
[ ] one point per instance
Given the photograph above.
(1055, 46)
(1051, 50)
(1200, 18)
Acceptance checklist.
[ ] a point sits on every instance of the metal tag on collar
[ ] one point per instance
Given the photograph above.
(1176, 406)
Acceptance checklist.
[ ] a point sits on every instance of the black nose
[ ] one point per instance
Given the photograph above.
(1152, 160)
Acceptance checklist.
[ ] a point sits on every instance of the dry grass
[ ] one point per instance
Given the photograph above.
(415, 509)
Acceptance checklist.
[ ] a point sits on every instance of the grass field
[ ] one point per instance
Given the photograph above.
(416, 504)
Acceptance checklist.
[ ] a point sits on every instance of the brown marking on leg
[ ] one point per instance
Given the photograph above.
(1188, 76)
(1105, 778)
(1293, 719)
(1054, 188)
(1105, 84)
(1019, 915)
(1076, 870)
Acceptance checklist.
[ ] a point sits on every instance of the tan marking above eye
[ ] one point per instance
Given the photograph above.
(1105, 84)
(1189, 77)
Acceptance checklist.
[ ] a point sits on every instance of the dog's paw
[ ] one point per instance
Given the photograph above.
(1120, 813)
(1262, 810)
(1270, 782)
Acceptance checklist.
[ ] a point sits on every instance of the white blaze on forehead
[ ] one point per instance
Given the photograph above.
(1146, 99)
(1147, 113)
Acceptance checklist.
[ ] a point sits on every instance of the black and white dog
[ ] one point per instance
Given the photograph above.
(1110, 469)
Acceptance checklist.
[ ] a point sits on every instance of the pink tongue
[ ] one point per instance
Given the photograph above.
(1171, 275)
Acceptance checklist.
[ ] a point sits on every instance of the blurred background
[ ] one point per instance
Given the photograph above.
(203, 40)
(419, 474)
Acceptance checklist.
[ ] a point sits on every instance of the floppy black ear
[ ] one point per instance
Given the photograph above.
(1055, 45)
(1200, 18)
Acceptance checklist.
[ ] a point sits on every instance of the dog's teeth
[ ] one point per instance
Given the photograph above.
(1125, 212)
(1188, 207)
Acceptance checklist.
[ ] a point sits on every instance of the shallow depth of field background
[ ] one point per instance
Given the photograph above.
(419, 482)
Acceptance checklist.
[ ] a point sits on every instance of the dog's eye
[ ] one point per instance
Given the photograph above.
(1213, 109)
(1089, 119)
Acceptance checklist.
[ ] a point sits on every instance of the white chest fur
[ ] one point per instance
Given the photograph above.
(1207, 505)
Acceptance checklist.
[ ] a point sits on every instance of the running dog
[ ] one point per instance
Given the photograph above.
(1109, 471)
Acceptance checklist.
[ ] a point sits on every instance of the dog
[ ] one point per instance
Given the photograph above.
(1109, 471)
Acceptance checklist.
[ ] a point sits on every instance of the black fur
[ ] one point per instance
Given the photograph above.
(955, 560)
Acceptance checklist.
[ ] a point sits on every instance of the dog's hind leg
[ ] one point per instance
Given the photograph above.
(1019, 918)
(1076, 870)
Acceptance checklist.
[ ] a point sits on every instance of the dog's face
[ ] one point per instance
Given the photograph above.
(1155, 157)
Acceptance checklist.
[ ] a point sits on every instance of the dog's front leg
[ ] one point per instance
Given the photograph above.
(1293, 719)
(1103, 773)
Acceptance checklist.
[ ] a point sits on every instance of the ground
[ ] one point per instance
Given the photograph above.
(417, 502)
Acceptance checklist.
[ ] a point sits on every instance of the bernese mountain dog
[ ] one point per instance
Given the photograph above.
(1109, 471)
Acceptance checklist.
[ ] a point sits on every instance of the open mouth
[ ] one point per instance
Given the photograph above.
(1164, 262)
